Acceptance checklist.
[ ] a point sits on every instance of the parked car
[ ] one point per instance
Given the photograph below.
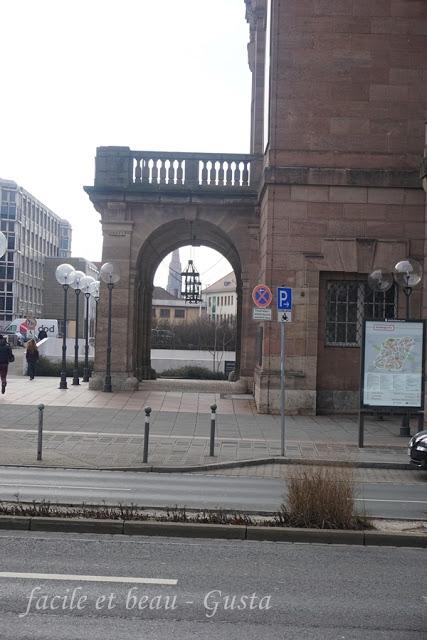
(417, 449)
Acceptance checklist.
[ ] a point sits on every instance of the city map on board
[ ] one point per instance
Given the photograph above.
(393, 364)
(395, 354)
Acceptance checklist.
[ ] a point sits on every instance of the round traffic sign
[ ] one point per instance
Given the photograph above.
(262, 296)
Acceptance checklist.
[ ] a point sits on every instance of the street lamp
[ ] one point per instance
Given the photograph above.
(110, 274)
(85, 284)
(94, 292)
(65, 275)
(408, 273)
(78, 277)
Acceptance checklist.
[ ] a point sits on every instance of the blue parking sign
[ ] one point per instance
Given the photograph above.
(284, 298)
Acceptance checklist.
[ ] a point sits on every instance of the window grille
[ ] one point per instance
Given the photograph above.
(348, 303)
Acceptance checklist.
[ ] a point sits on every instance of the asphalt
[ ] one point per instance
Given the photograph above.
(92, 429)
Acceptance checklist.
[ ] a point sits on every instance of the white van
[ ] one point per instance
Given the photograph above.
(24, 330)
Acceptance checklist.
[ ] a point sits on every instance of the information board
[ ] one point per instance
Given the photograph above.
(393, 364)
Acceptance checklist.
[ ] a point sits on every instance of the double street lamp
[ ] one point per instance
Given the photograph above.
(110, 274)
(65, 275)
(407, 274)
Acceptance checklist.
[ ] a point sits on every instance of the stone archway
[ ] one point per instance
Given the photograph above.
(164, 240)
(144, 221)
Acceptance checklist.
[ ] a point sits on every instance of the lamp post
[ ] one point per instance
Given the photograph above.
(85, 284)
(78, 277)
(65, 275)
(407, 273)
(110, 274)
(94, 292)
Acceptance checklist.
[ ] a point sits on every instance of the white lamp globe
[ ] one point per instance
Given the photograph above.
(85, 283)
(94, 289)
(110, 273)
(78, 276)
(65, 274)
(408, 273)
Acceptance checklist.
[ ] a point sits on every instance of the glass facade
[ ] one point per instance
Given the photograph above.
(32, 232)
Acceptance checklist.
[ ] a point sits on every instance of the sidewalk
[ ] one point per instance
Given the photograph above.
(92, 429)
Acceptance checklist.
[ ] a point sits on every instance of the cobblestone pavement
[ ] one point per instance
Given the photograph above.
(97, 430)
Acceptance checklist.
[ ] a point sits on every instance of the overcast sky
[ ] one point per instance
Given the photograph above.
(148, 74)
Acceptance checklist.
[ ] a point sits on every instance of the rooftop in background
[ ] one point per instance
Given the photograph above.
(227, 283)
(161, 294)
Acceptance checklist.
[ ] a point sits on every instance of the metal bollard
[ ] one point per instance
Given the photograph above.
(213, 420)
(40, 432)
(146, 433)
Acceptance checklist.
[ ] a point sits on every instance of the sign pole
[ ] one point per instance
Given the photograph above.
(282, 386)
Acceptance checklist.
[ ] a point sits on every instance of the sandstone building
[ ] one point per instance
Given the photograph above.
(330, 190)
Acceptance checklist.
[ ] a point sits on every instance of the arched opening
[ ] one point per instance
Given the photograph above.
(155, 248)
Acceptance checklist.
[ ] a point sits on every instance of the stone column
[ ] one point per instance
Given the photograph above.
(117, 237)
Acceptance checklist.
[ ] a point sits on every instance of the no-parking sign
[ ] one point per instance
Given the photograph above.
(262, 296)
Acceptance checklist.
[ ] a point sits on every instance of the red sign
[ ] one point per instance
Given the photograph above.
(262, 296)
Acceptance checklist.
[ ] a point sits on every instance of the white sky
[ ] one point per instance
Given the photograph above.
(149, 74)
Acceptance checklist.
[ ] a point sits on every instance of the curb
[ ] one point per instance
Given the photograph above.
(232, 464)
(224, 532)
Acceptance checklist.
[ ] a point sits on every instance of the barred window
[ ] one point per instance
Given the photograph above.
(348, 304)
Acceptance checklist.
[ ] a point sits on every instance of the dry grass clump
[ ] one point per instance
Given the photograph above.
(321, 498)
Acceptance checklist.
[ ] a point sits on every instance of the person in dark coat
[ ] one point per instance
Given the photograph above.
(6, 356)
(42, 334)
(32, 355)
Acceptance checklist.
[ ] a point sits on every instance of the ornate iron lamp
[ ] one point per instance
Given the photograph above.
(192, 284)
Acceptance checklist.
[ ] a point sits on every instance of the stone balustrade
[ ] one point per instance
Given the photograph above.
(121, 167)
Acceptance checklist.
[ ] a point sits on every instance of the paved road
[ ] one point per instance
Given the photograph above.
(302, 592)
(72, 486)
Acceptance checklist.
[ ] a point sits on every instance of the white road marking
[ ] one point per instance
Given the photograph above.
(71, 577)
(385, 500)
(102, 434)
(60, 486)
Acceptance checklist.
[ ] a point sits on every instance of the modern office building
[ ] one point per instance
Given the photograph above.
(33, 233)
(65, 233)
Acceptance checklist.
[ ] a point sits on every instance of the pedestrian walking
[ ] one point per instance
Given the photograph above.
(32, 356)
(6, 356)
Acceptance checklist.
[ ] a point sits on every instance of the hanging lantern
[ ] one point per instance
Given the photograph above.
(192, 284)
